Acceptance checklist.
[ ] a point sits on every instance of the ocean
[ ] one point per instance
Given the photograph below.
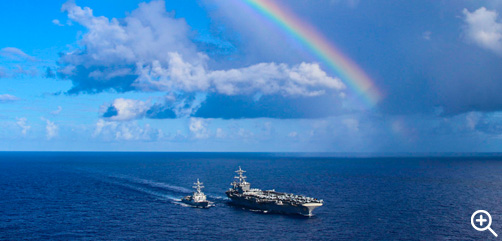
(135, 196)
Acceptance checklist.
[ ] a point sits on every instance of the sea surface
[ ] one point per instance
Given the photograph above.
(135, 196)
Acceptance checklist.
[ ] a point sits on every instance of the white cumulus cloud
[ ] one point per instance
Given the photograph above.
(21, 122)
(151, 50)
(51, 129)
(484, 29)
(127, 109)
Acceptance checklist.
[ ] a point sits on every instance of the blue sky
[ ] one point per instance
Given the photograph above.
(212, 75)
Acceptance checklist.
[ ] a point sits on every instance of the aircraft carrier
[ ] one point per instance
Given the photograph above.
(243, 195)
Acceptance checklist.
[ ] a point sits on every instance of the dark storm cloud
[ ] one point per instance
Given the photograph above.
(420, 64)
(471, 81)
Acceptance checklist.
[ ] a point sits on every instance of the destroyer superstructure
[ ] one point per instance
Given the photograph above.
(198, 198)
(242, 194)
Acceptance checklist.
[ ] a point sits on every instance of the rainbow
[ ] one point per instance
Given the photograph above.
(349, 71)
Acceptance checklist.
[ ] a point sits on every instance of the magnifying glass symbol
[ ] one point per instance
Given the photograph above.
(482, 218)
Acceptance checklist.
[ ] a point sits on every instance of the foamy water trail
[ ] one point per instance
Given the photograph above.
(132, 182)
(147, 191)
(169, 187)
(153, 183)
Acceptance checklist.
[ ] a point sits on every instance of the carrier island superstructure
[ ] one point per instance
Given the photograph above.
(242, 194)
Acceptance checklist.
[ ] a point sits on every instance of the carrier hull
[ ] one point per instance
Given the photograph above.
(305, 209)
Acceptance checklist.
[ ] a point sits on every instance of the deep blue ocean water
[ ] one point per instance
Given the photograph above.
(118, 196)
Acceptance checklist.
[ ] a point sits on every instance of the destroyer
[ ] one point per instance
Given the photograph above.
(242, 194)
(198, 199)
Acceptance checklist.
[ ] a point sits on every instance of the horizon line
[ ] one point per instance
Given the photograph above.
(305, 154)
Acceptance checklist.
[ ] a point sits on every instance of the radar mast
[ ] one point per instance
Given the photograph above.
(241, 178)
(198, 186)
(240, 183)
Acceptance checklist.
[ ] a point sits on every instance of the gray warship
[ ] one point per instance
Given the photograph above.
(242, 194)
(198, 199)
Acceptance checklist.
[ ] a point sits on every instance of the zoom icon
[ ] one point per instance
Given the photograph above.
(481, 220)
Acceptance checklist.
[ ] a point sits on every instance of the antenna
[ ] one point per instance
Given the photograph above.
(198, 185)
(241, 178)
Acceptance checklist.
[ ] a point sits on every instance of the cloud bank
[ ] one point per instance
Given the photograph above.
(151, 50)
(128, 131)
